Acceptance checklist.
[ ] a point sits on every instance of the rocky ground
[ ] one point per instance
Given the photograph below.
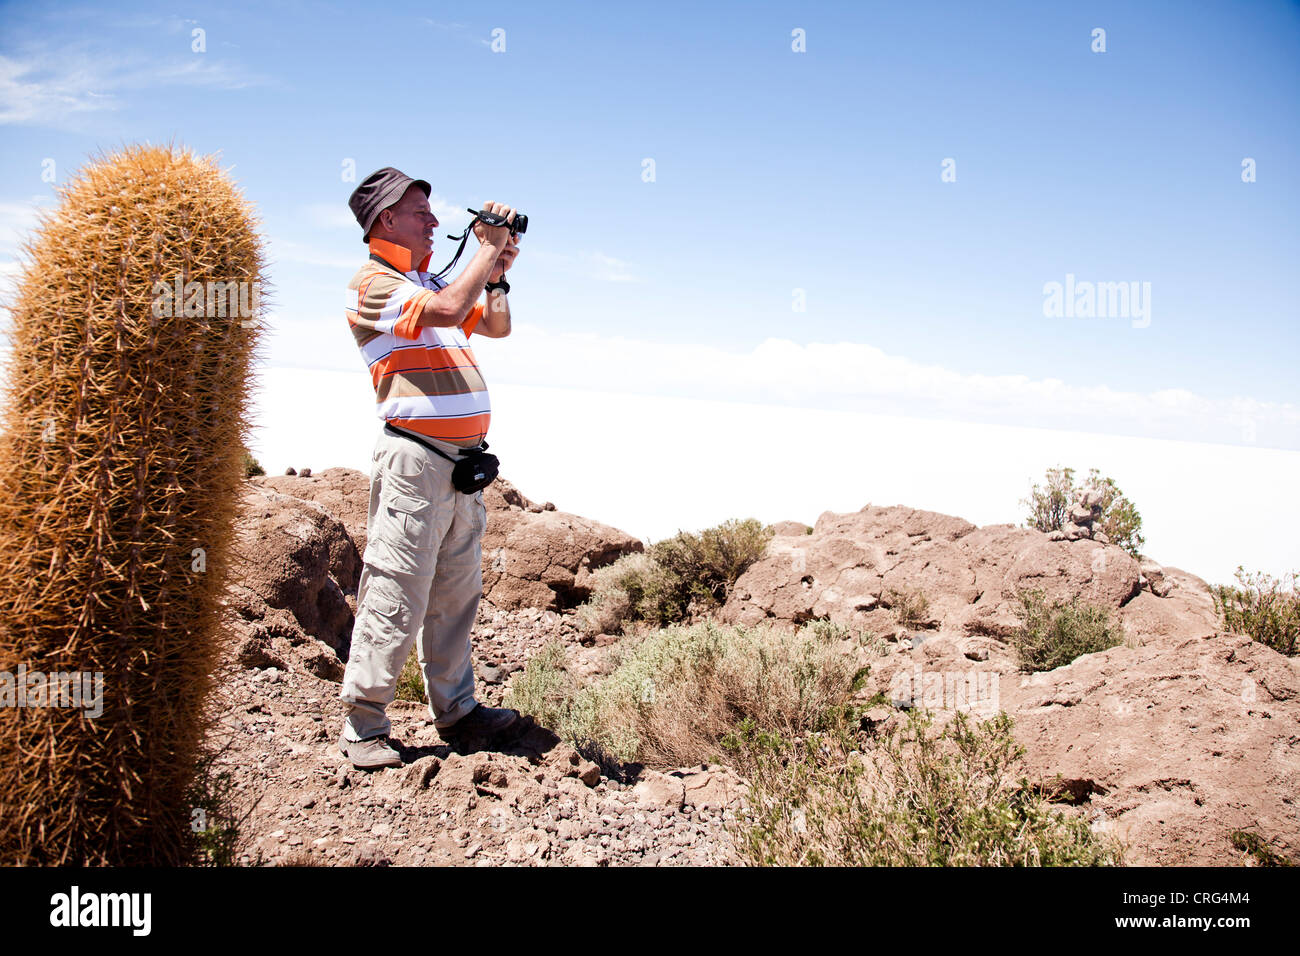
(1170, 741)
(538, 803)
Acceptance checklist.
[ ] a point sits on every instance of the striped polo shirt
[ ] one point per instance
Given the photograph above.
(426, 379)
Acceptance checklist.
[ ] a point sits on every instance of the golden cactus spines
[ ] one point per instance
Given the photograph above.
(120, 470)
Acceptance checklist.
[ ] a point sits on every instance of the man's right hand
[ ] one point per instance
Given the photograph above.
(495, 236)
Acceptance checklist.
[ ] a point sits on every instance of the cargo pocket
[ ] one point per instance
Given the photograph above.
(404, 539)
(410, 515)
(384, 619)
(480, 513)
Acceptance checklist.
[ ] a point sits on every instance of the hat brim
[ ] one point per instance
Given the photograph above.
(391, 195)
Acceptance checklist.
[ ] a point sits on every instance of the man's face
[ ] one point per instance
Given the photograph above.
(411, 222)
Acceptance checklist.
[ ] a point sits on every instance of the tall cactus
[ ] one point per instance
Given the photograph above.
(120, 469)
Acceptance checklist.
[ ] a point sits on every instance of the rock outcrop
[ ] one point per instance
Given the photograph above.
(1170, 741)
(536, 556)
(855, 567)
(533, 555)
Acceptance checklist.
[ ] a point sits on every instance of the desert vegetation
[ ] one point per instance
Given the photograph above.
(916, 795)
(121, 470)
(672, 696)
(1052, 635)
(1049, 507)
(785, 709)
(1261, 607)
(676, 580)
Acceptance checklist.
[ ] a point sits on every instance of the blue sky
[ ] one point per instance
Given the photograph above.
(775, 171)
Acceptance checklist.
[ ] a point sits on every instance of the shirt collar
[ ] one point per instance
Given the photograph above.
(399, 257)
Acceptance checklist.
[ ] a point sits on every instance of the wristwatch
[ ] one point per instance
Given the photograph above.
(501, 284)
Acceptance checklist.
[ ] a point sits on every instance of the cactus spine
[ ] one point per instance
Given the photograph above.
(120, 469)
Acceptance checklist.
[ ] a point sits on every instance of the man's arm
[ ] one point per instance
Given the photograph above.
(451, 305)
(495, 320)
(495, 323)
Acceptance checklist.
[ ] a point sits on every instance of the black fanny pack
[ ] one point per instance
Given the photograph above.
(473, 471)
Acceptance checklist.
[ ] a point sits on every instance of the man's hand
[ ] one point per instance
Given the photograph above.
(505, 260)
(495, 236)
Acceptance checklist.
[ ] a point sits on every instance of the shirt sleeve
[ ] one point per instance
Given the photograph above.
(389, 303)
(475, 314)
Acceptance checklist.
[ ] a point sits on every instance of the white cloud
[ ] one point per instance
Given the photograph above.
(280, 250)
(330, 216)
(860, 377)
(17, 219)
(54, 88)
(980, 472)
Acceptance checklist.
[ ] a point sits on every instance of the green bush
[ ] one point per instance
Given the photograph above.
(677, 580)
(1257, 848)
(251, 465)
(1263, 608)
(1049, 507)
(410, 683)
(632, 589)
(1052, 636)
(910, 798)
(674, 695)
(707, 564)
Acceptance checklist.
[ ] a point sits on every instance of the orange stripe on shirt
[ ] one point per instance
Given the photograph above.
(475, 314)
(472, 428)
(408, 323)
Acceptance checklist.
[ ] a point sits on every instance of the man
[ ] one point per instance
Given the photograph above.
(421, 579)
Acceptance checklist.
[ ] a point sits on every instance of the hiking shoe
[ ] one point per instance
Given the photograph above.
(370, 754)
(486, 723)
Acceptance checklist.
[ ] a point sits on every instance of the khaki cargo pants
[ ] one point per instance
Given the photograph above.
(421, 579)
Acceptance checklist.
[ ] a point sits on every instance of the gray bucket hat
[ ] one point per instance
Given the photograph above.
(377, 192)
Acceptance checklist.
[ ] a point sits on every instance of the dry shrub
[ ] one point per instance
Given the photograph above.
(1263, 608)
(674, 695)
(912, 797)
(676, 581)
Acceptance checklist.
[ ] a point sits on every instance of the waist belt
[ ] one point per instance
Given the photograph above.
(433, 448)
(473, 471)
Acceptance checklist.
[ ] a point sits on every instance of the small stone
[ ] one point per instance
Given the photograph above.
(290, 471)
(305, 473)
(589, 773)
